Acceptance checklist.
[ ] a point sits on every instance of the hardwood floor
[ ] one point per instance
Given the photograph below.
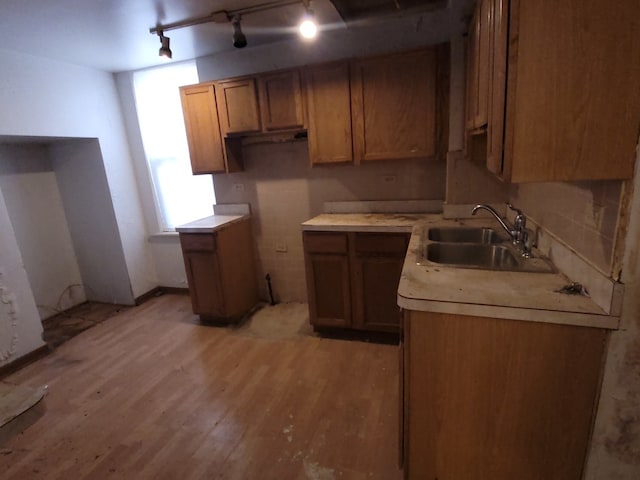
(151, 393)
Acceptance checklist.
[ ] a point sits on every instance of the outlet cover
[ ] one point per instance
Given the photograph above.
(238, 187)
(281, 247)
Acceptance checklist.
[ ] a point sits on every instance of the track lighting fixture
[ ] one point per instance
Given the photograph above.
(307, 28)
(164, 51)
(239, 40)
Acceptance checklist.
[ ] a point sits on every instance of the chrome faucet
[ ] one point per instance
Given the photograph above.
(518, 233)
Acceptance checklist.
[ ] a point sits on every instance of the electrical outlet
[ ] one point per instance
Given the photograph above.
(238, 187)
(388, 179)
(281, 247)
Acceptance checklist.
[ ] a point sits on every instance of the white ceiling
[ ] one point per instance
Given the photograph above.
(113, 35)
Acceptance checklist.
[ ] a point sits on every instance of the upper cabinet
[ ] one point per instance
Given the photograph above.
(281, 101)
(266, 103)
(329, 107)
(203, 129)
(238, 106)
(393, 105)
(381, 108)
(563, 98)
(478, 66)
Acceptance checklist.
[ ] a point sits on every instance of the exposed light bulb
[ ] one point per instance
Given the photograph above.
(308, 27)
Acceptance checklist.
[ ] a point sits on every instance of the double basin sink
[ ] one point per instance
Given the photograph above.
(481, 248)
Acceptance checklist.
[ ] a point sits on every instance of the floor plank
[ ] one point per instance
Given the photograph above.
(151, 393)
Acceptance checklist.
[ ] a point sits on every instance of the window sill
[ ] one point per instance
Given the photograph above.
(163, 236)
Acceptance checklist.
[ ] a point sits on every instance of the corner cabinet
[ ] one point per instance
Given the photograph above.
(220, 271)
(563, 102)
(352, 279)
(496, 399)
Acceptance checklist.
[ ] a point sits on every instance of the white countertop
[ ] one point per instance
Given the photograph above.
(209, 224)
(426, 286)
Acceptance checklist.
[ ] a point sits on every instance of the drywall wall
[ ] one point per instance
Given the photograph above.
(20, 327)
(79, 169)
(28, 184)
(42, 97)
(284, 191)
(615, 447)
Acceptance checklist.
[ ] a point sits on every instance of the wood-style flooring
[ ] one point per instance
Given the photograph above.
(151, 393)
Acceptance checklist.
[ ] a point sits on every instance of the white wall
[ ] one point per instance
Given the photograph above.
(20, 327)
(80, 173)
(28, 184)
(42, 97)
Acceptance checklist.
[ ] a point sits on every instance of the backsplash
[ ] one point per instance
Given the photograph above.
(284, 191)
(583, 215)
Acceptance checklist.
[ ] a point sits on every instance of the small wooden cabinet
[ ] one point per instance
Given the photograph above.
(220, 271)
(352, 279)
(563, 102)
(237, 102)
(269, 102)
(206, 148)
(281, 101)
(495, 399)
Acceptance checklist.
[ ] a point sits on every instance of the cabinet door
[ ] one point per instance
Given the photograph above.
(237, 102)
(393, 102)
(495, 399)
(573, 100)
(203, 275)
(281, 101)
(329, 111)
(328, 285)
(378, 261)
(203, 130)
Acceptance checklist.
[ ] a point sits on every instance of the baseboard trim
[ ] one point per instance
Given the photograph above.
(23, 361)
(160, 290)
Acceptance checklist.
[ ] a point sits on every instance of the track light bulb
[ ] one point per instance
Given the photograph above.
(164, 51)
(239, 40)
(308, 28)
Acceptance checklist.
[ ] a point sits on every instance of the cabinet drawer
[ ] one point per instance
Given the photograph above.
(325, 242)
(198, 242)
(381, 244)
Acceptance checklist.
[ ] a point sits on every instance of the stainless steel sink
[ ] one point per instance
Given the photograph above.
(478, 248)
(464, 235)
(492, 257)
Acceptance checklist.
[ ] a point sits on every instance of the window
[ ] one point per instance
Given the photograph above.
(180, 196)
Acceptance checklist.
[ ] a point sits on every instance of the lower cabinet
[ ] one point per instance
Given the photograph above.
(220, 271)
(494, 399)
(352, 279)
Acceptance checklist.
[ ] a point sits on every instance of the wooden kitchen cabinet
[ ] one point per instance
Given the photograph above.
(393, 106)
(220, 271)
(281, 101)
(377, 265)
(352, 279)
(328, 279)
(495, 399)
(265, 103)
(237, 101)
(478, 65)
(563, 102)
(329, 109)
(206, 149)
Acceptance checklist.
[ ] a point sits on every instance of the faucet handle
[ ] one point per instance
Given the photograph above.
(520, 221)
